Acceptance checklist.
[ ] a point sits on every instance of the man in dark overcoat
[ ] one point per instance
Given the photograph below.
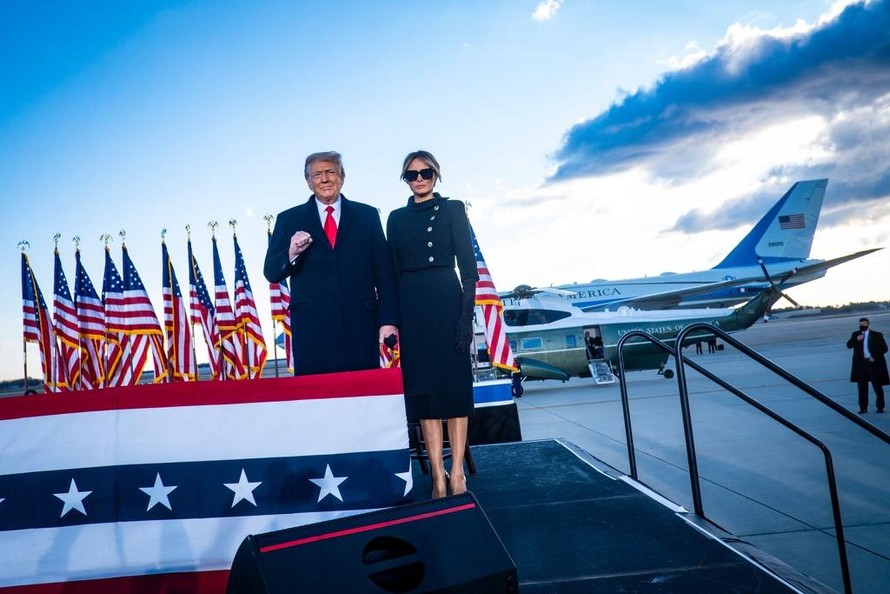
(869, 365)
(344, 300)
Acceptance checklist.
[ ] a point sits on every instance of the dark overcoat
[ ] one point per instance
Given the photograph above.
(877, 346)
(339, 296)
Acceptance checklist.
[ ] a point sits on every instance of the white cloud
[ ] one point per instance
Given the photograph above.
(546, 10)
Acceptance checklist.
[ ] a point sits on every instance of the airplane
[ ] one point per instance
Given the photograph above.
(777, 248)
(547, 333)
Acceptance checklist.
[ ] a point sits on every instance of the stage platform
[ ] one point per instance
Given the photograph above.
(573, 524)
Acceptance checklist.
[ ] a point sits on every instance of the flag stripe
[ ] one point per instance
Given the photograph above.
(215, 433)
(489, 302)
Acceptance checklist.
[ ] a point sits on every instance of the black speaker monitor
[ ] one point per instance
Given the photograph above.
(440, 545)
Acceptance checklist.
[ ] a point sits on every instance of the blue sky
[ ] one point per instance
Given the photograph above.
(592, 139)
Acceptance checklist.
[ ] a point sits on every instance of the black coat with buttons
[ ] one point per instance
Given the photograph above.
(436, 305)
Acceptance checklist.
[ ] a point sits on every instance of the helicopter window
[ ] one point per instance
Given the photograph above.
(529, 344)
(570, 341)
(527, 317)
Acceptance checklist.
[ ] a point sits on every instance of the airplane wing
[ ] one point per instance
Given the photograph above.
(669, 299)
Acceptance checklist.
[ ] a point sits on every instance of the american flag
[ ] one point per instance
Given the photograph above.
(90, 328)
(180, 355)
(37, 325)
(233, 368)
(794, 221)
(248, 319)
(492, 313)
(130, 316)
(65, 322)
(203, 312)
(153, 488)
(279, 296)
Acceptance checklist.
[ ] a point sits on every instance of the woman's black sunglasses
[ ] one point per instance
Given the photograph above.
(411, 175)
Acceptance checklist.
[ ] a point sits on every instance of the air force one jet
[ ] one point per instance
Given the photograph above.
(774, 253)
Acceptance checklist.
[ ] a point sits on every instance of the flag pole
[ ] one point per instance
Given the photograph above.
(54, 386)
(128, 349)
(188, 235)
(268, 218)
(23, 246)
(170, 368)
(223, 369)
(76, 241)
(242, 331)
(106, 238)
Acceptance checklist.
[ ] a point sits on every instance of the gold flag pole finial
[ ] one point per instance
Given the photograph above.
(163, 234)
(24, 245)
(106, 238)
(212, 225)
(188, 232)
(233, 223)
(56, 239)
(76, 241)
(123, 235)
(268, 218)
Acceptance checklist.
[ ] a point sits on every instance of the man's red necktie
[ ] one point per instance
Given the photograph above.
(330, 226)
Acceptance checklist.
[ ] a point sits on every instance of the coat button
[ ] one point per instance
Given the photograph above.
(429, 229)
(436, 207)
(429, 244)
(433, 218)
(431, 258)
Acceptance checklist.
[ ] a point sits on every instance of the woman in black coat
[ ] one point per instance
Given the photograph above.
(426, 237)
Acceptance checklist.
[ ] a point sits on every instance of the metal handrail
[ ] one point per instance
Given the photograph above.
(682, 361)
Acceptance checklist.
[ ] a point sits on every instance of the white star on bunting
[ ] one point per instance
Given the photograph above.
(243, 489)
(408, 478)
(330, 484)
(73, 499)
(158, 493)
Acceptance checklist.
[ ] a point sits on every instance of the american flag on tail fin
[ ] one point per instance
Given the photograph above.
(90, 328)
(492, 313)
(203, 312)
(231, 358)
(279, 296)
(37, 326)
(248, 319)
(180, 355)
(65, 322)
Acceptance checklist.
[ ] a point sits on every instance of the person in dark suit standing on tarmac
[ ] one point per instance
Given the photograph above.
(869, 365)
(344, 300)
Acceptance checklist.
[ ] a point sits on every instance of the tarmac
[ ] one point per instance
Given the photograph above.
(760, 482)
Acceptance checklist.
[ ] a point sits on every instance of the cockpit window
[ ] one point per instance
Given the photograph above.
(528, 317)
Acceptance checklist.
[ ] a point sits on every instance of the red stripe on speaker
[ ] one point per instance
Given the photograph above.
(329, 535)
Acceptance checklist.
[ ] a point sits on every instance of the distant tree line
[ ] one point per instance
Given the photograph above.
(842, 309)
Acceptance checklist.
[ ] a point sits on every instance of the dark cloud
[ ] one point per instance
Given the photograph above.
(672, 127)
(729, 216)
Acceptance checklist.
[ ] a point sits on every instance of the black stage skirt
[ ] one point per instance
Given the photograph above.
(438, 380)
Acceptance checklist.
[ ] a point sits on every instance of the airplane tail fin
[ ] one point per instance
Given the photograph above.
(786, 231)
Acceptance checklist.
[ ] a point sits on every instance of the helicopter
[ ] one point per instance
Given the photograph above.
(548, 334)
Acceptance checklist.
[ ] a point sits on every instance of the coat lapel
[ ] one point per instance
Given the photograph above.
(314, 223)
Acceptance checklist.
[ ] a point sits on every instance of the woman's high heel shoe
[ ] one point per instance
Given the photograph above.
(458, 485)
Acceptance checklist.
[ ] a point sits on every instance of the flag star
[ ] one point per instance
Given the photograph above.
(159, 493)
(243, 489)
(330, 484)
(73, 499)
(408, 477)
